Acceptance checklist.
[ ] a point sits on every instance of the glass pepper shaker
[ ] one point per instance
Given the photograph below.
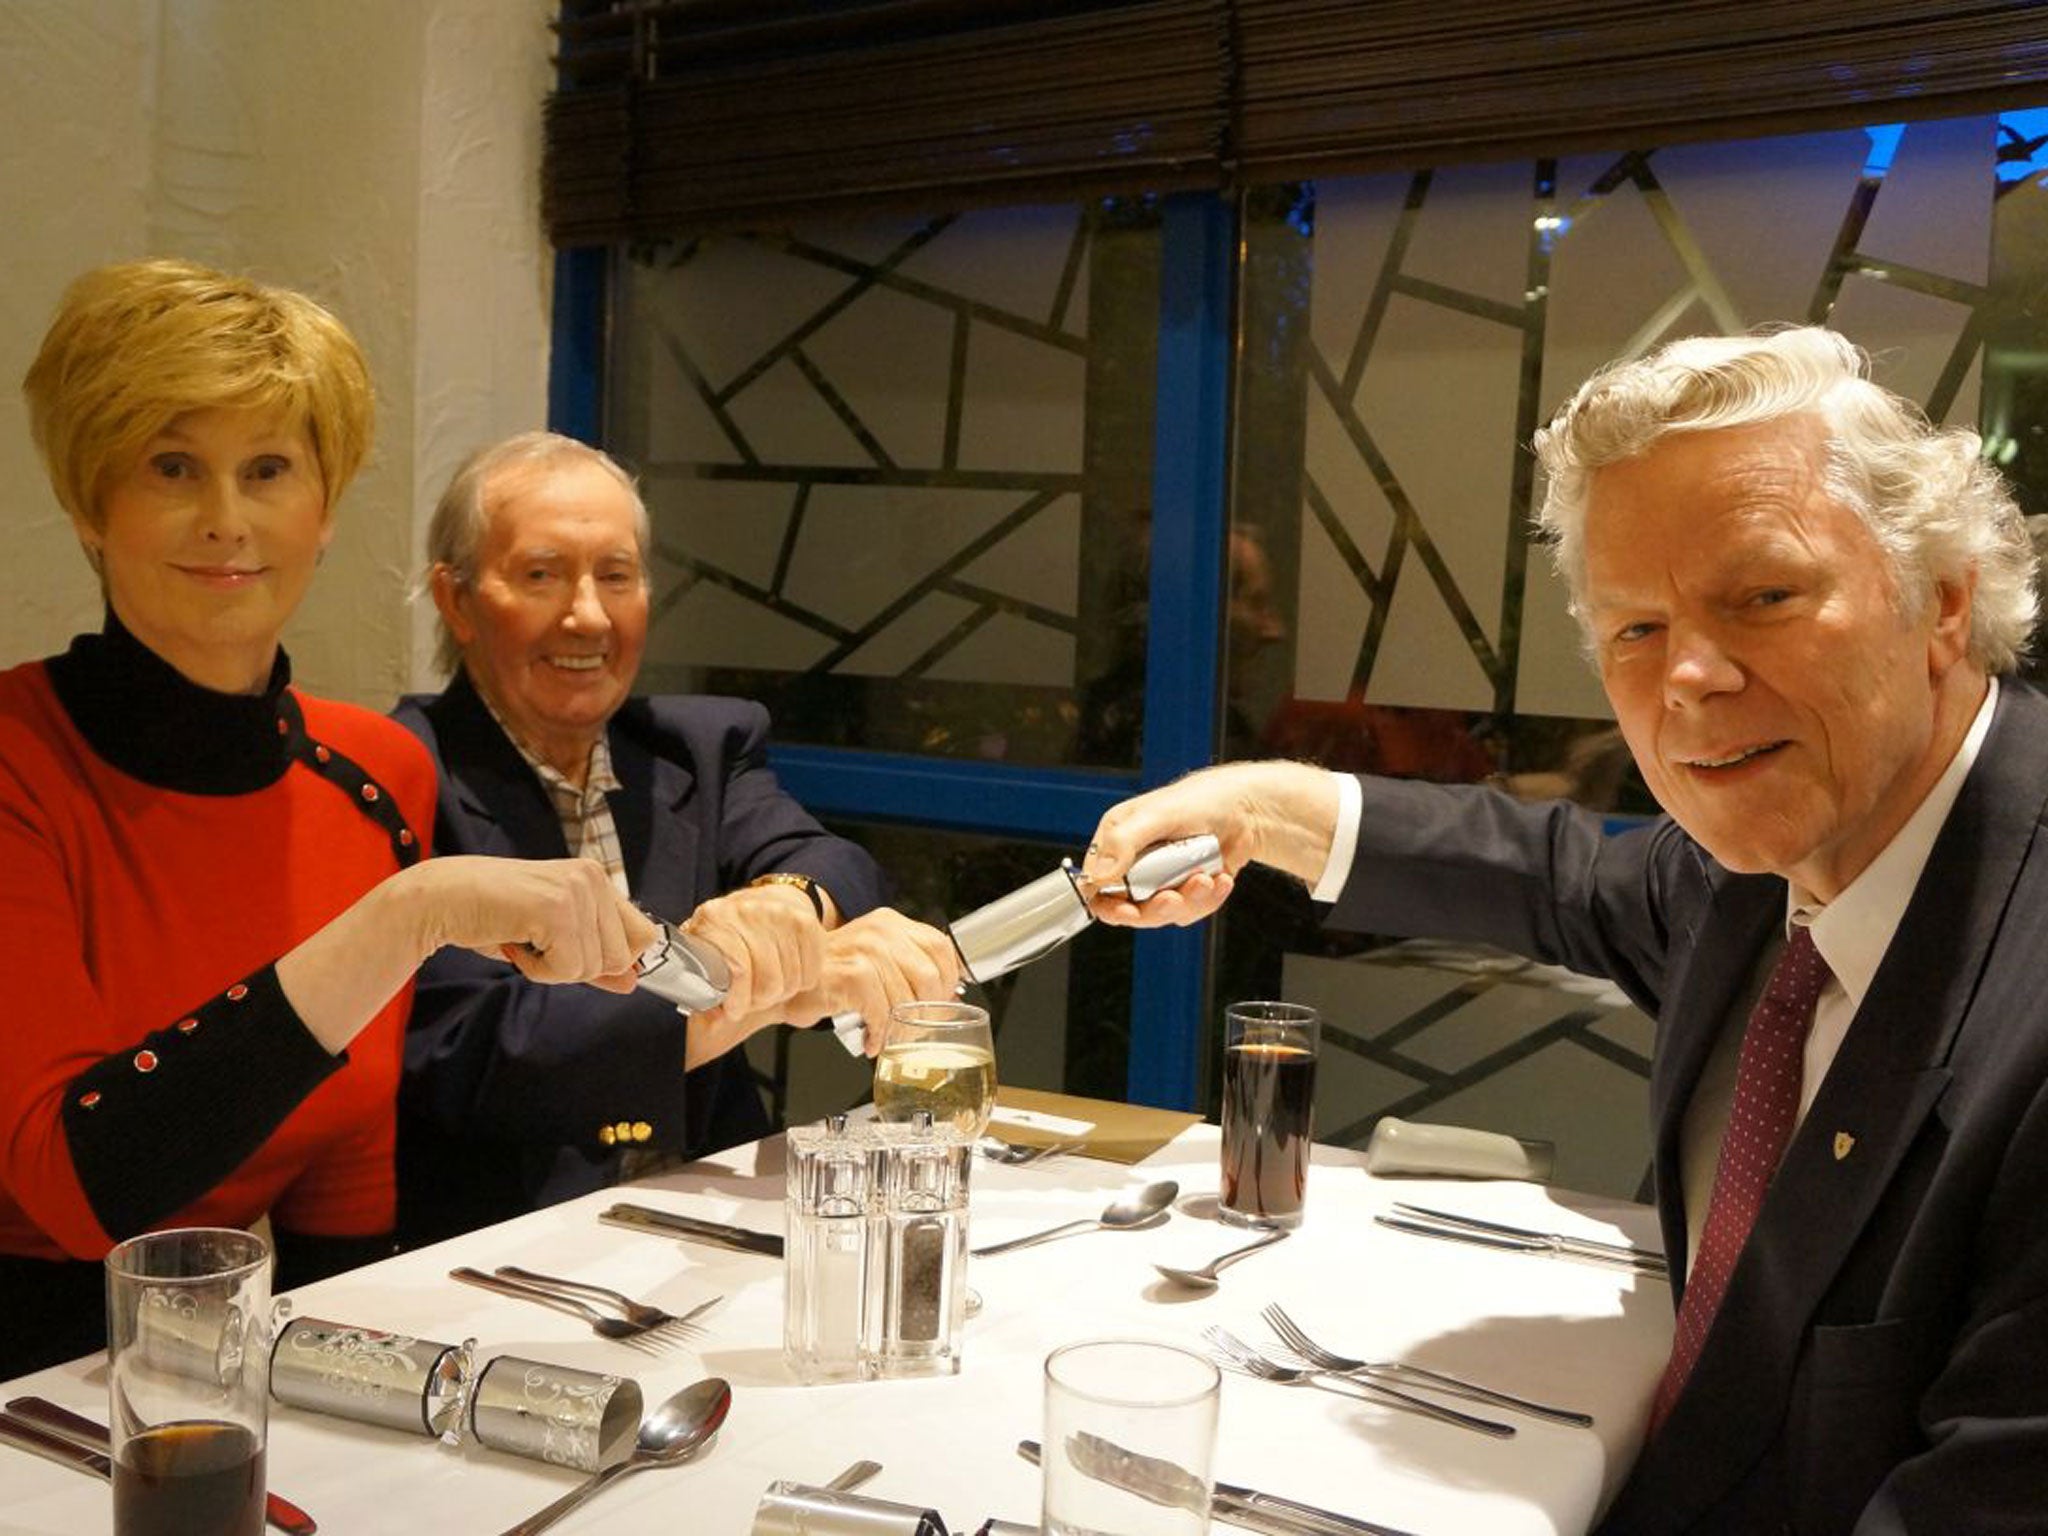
(917, 1260)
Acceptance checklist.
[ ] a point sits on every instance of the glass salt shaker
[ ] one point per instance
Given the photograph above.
(825, 1265)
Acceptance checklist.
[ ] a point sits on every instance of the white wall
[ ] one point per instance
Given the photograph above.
(381, 155)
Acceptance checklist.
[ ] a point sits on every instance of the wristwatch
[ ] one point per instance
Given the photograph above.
(804, 883)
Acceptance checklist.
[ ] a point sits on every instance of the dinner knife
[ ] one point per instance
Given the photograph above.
(1234, 1499)
(1156, 1480)
(37, 1424)
(1590, 1245)
(644, 1218)
(29, 1437)
(1490, 1235)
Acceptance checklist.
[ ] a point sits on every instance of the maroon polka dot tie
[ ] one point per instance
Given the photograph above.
(1760, 1124)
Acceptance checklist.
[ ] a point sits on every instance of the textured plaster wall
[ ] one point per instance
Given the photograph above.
(380, 154)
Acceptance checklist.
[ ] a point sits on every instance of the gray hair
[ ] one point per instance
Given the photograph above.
(1935, 507)
(456, 532)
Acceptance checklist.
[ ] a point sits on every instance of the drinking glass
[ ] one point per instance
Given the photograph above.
(188, 1356)
(1269, 1102)
(940, 1057)
(1130, 1427)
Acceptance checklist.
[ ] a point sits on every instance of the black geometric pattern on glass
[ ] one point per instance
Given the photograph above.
(1036, 489)
(1409, 546)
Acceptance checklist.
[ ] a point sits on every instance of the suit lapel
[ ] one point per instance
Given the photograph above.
(659, 845)
(488, 782)
(1888, 1075)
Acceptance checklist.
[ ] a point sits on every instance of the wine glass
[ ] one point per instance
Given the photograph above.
(940, 1057)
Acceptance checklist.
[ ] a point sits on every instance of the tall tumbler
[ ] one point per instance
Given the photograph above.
(1130, 1427)
(1269, 1111)
(188, 1356)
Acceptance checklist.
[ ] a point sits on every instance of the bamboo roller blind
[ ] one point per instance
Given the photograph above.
(674, 117)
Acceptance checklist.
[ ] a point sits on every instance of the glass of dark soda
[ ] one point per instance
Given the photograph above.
(188, 1330)
(1269, 1102)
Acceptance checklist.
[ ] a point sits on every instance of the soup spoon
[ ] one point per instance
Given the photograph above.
(1135, 1208)
(673, 1433)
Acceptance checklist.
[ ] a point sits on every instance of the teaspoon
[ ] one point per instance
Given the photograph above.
(1137, 1208)
(1204, 1279)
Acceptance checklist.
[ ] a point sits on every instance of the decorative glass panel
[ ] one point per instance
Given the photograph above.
(875, 454)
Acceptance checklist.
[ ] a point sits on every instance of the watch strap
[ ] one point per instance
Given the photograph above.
(803, 883)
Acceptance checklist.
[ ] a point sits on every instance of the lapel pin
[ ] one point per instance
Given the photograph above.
(1843, 1143)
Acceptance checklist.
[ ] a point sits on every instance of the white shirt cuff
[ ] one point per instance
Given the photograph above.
(1344, 841)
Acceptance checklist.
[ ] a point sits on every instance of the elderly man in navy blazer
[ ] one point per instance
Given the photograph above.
(1806, 606)
(516, 1095)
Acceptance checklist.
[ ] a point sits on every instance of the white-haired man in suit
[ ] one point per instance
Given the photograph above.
(1806, 606)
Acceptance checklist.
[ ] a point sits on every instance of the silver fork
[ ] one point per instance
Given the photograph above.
(1329, 1360)
(634, 1335)
(1015, 1154)
(1250, 1361)
(653, 1319)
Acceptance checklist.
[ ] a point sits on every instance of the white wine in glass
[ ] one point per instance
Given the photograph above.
(940, 1057)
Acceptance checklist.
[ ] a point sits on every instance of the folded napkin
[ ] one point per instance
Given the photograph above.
(1116, 1133)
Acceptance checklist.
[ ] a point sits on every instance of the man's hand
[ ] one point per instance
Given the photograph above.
(772, 941)
(877, 961)
(871, 964)
(1276, 813)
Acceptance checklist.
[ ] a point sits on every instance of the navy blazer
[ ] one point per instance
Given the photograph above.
(508, 1083)
(1880, 1362)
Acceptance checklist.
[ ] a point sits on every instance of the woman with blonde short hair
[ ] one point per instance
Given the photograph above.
(214, 898)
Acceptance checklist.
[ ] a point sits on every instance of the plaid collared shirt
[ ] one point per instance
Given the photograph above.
(590, 832)
(585, 814)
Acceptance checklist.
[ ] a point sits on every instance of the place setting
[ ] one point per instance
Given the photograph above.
(198, 1351)
(872, 1254)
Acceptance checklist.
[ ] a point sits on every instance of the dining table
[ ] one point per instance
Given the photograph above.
(1546, 1326)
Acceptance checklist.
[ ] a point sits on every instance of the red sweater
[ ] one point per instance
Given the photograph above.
(151, 1073)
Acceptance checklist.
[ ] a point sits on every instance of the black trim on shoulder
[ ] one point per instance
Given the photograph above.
(351, 778)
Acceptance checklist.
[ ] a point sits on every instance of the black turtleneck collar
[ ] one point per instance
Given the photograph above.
(155, 724)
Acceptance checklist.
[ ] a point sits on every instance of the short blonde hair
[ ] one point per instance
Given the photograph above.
(137, 345)
(1938, 510)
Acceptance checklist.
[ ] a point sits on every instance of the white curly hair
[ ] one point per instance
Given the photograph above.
(1937, 509)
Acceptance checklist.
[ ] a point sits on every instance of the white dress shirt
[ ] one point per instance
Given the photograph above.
(1852, 933)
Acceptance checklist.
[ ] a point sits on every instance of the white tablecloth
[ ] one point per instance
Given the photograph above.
(1582, 1335)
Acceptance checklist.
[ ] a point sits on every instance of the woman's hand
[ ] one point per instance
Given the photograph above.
(556, 919)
